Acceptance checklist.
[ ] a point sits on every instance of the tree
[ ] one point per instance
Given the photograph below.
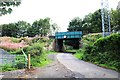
(9, 30)
(92, 23)
(54, 28)
(115, 19)
(31, 32)
(96, 22)
(41, 27)
(87, 24)
(5, 6)
(75, 24)
(23, 27)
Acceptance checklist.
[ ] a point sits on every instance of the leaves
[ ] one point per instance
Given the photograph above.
(92, 22)
(5, 7)
(75, 24)
(41, 27)
(18, 29)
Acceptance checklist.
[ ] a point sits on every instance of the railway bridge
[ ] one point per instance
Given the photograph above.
(60, 37)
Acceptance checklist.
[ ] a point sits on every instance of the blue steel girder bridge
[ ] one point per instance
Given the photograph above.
(75, 38)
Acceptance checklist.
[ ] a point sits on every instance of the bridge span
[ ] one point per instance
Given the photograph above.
(67, 36)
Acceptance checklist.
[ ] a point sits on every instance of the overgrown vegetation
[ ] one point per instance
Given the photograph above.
(101, 51)
(37, 48)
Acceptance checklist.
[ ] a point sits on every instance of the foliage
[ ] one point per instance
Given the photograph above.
(103, 51)
(115, 19)
(15, 40)
(75, 24)
(79, 54)
(92, 23)
(17, 51)
(9, 30)
(108, 50)
(86, 25)
(40, 39)
(87, 42)
(5, 6)
(25, 40)
(18, 29)
(22, 28)
(7, 67)
(54, 28)
(90, 38)
(40, 27)
(96, 22)
(40, 60)
(9, 46)
(20, 62)
(36, 49)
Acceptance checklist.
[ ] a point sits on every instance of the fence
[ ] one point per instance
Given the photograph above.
(11, 62)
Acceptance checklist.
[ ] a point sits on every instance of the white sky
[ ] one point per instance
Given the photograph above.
(60, 11)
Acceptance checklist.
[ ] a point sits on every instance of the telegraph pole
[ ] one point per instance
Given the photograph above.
(105, 15)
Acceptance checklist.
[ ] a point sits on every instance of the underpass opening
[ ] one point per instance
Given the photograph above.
(69, 38)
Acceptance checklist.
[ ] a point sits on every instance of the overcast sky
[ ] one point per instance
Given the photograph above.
(60, 11)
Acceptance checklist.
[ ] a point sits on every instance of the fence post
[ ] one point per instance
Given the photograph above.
(28, 61)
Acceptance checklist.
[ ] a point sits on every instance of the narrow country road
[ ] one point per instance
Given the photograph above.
(87, 69)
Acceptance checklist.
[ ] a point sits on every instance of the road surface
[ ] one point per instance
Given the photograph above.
(87, 69)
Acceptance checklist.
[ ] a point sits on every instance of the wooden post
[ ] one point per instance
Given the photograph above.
(28, 61)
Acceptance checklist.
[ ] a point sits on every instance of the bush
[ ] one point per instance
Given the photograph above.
(90, 38)
(108, 50)
(15, 40)
(39, 39)
(35, 49)
(17, 51)
(20, 62)
(105, 51)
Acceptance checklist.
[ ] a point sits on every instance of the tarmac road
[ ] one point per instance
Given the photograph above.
(84, 68)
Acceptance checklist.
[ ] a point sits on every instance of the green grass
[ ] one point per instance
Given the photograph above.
(72, 50)
(79, 54)
(41, 60)
(106, 66)
(6, 67)
(44, 60)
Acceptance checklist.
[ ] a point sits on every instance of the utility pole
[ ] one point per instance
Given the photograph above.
(105, 15)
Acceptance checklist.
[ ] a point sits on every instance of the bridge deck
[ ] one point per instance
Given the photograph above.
(68, 35)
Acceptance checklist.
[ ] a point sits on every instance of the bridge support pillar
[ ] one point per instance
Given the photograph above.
(59, 45)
